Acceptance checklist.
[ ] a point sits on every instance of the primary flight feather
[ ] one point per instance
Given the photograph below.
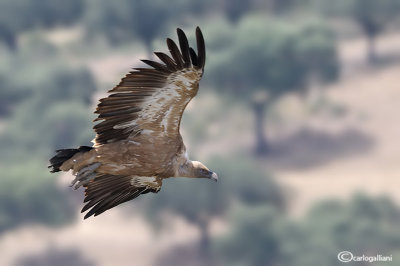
(137, 142)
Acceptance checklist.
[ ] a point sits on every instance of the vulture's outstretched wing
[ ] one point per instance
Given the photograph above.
(108, 191)
(152, 100)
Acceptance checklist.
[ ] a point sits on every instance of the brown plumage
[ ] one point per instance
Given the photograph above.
(137, 142)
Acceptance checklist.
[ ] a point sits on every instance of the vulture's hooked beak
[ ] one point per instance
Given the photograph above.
(214, 177)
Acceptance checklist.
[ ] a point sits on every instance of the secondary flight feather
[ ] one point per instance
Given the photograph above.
(137, 142)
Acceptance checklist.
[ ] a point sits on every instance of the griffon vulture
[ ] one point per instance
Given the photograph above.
(137, 142)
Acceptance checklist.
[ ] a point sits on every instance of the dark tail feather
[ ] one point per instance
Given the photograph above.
(64, 155)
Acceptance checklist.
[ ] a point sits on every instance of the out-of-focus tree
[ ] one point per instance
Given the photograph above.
(315, 46)
(28, 194)
(50, 13)
(14, 18)
(235, 9)
(46, 83)
(364, 226)
(253, 238)
(316, 49)
(260, 236)
(144, 23)
(10, 93)
(52, 113)
(199, 201)
(123, 20)
(40, 129)
(280, 7)
(55, 256)
(17, 16)
(268, 59)
(60, 84)
(371, 16)
(260, 58)
(109, 19)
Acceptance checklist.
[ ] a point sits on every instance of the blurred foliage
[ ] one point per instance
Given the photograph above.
(274, 56)
(17, 16)
(37, 74)
(124, 20)
(235, 9)
(371, 16)
(259, 236)
(56, 126)
(363, 226)
(55, 256)
(28, 194)
(374, 15)
(50, 13)
(46, 107)
(11, 92)
(317, 50)
(356, 8)
(58, 100)
(267, 59)
(253, 239)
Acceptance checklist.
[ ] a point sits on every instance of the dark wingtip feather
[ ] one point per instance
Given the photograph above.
(87, 215)
(167, 61)
(156, 65)
(176, 54)
(184, 44)
(201, 48)
(193, 56)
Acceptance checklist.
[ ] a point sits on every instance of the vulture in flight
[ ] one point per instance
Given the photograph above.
(137, 142)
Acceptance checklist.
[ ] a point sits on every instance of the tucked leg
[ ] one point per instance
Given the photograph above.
(85, 175)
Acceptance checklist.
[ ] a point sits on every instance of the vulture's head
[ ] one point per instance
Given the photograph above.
(201, 171)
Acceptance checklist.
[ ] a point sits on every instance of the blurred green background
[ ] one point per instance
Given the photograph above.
(298, 113)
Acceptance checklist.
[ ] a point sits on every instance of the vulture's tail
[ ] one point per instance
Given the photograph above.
(64, 155)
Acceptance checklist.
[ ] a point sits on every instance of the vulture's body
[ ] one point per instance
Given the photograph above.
(137, 142)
